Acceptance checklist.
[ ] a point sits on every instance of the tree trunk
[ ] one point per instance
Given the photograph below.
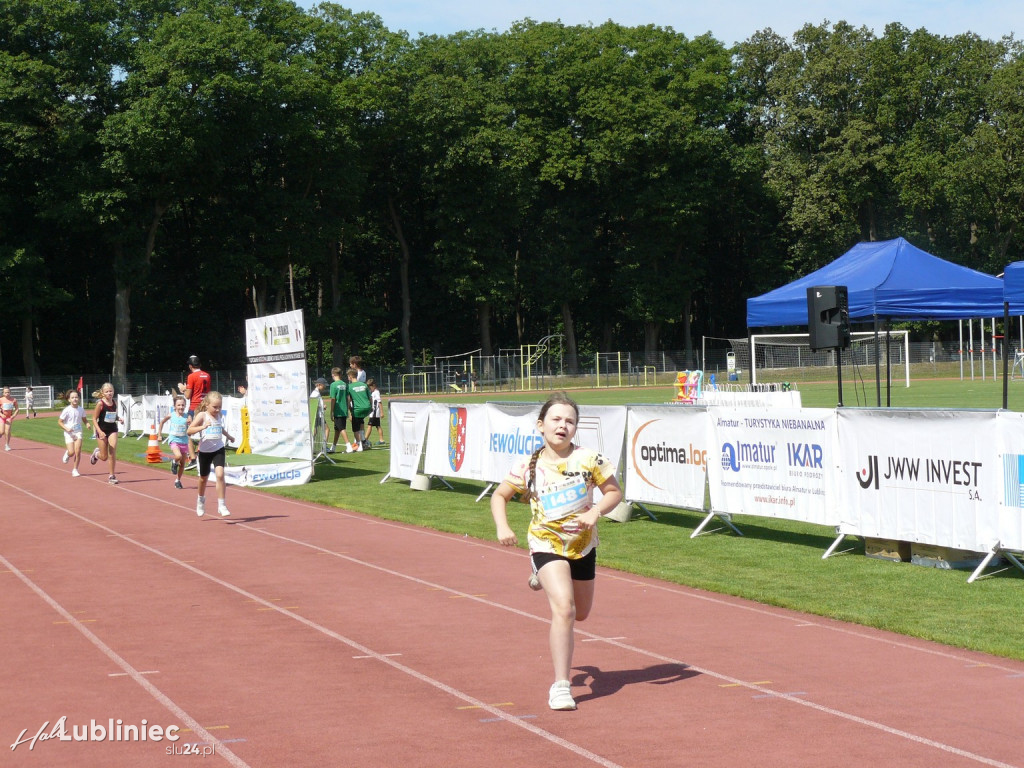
(484, 316)
(572, 362)
(337, 343)
(123, 282)
(122, 326)
(652, 335)
(403, 273)
(687, 329)
(28, 349)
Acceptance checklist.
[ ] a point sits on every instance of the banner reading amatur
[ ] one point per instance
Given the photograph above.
(774, 462)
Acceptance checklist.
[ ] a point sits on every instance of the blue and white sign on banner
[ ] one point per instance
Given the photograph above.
(774, 462)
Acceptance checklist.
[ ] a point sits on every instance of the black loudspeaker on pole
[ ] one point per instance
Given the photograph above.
(828, 323)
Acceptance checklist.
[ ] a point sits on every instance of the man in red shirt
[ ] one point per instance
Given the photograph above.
(195, 388)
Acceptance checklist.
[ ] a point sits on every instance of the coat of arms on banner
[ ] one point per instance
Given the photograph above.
(456, 437)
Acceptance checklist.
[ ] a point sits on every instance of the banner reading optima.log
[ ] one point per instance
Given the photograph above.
(278, 395)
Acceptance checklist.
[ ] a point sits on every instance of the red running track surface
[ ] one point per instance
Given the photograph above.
(292, 634)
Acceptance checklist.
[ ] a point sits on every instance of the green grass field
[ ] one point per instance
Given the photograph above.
(776, 562)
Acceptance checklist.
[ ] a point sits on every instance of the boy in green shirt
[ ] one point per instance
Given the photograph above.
(359, 401)
(339, 409)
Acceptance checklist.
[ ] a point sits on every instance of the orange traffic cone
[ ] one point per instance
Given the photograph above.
(153, 450)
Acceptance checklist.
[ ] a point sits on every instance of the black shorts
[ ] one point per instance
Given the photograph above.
(581, 568)
(107, 429)
(206, 460)
(357, 424)
(374, 421)
(339, 423)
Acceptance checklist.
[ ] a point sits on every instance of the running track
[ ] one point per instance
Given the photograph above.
(292, 634)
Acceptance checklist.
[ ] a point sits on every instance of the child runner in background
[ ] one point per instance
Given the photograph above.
(30, 399)
(104, 422)
(339, 409)
(559, 480)
(71, 420)
(375, 411)
(359, 401)
(209, 425)
(8, 410)
(177, 437)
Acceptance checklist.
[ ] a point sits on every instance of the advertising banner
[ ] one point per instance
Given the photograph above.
(774, 462)
(278, 394)
(275, 336)
(263, 475)
(512, 433)
(407, 425)
(667, 448)
(154, 408)
(1010, 502)
(932, 477)
(279, 409)
(456, 437)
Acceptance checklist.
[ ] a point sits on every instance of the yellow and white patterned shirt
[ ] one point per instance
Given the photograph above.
(565, 489)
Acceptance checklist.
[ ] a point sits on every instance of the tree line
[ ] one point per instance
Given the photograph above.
(170, 167)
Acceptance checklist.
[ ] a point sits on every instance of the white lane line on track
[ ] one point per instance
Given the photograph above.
(129, 670)
(384, 658)
(625, 646)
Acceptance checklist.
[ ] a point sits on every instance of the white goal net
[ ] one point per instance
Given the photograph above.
(788, 356)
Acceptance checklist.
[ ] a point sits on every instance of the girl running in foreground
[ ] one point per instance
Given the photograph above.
(209, 423)
(559, 481)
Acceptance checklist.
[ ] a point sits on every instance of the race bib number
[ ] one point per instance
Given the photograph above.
(8, 406)
(178, 430)
(565, 499)
(213, 431)
(110, 417)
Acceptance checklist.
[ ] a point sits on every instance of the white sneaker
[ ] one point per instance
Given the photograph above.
(7, 447)
(534, 583)
(112, 480)
(200, 506)
(359, 447)
(66, 457)
(349, 448)
(223, 509)
(95, 456)
(560, 696)
(74, 473)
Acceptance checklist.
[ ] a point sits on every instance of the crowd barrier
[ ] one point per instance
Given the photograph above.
(945, 478)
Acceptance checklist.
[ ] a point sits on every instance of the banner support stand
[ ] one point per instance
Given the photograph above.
(996, 550)
(836, 543)
(484, 491)
(725, 517)
(320, 434)
(646, 511)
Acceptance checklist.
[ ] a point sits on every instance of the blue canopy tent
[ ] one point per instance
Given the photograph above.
(1013, 298)
(886, 280)
(890, 279)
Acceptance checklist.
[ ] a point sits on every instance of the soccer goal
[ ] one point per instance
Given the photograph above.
(788, 356)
